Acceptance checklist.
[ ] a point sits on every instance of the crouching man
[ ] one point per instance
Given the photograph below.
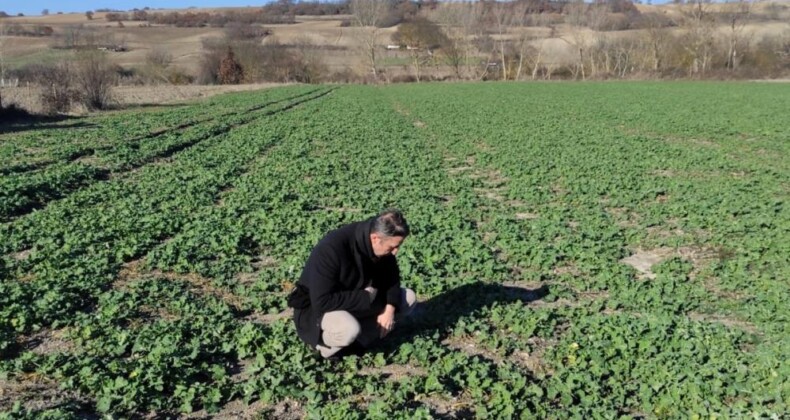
(349, 294)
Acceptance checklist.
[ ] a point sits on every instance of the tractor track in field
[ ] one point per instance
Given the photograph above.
(88, 151)
(104, 174)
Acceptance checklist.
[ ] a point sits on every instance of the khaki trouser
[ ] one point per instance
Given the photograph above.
(340, 328)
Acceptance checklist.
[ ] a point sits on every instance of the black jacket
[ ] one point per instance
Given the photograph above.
(335, 276)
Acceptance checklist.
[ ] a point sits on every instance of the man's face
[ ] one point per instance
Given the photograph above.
(385, 245)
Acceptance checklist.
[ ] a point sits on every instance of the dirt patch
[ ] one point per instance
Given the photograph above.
(625, 218)
(340, 209)
(482, 146)
(260, 318)
(35, 392)
(569, 269)
(125, 96)
(130, 271)
(530, 361)
(663, 173)
(237, 409)
(393, 372)
(47, 342)
(472, 348)
(533, 361)
(22, 255)
(90, 160)
(459, 407)
(458, 169)
(419, 124)
(726, 321)
(220, 201)
(490, 193)
(643, 260)
(526, 216)
(258, 263)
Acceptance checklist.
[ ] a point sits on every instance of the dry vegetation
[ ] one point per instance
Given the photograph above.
(375, 41)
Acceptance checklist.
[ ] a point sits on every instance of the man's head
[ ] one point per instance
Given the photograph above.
(388, 232)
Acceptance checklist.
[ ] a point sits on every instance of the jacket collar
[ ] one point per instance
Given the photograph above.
(362, 239)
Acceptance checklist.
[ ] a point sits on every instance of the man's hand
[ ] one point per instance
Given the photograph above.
(386, 321)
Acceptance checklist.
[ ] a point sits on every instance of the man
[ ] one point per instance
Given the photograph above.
(349, 294)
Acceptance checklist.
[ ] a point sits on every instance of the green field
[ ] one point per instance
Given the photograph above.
(580, 250)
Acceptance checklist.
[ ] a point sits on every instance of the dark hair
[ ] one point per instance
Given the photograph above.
(391, 223)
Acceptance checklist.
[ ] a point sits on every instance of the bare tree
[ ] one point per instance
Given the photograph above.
(421, 37)
(597, 16)
(656, 39)
(577, 19)
(535, 57)
(95, 79)
(57, 87)
(737, 37)
(500, 14)
(367, 16)
(461, 22)
(522, 46)
(698, 39)
(308, 55)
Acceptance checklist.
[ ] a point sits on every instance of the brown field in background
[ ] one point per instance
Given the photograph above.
(185, 43)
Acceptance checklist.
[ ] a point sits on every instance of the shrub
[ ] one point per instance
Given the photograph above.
(230, 71)
(94, 77)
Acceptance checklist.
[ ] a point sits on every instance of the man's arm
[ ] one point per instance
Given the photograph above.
(393, 281)
(323, 271)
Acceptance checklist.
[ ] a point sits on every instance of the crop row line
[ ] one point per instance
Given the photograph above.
(24, 197)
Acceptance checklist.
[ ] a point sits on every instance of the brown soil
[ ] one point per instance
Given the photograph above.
(47, 342)
(262, 318)
(35, 392)
(393, 372)
(126, 96)
(526, 216)
(726, 321)
(644, 260)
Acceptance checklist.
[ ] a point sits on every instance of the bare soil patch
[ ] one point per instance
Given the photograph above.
(127, 96)
(22, 255)
(726, 321)
(35, 392)
(47, 342)
(526, 216)
(261, 318)
(393, 372)
(643, 260)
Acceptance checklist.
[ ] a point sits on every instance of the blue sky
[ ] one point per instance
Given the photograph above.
(34, 7)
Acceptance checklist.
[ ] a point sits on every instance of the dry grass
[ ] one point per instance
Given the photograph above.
(126, 96)
(185, 43)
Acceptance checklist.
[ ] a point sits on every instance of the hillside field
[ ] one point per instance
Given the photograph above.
(579, 250)
(337, 45)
